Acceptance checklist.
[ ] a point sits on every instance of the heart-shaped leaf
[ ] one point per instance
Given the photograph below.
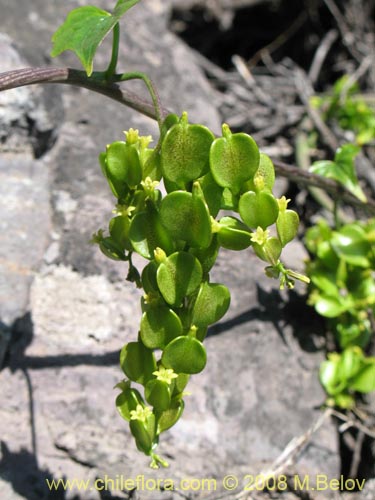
(185, 152)
(180, 383)
(111, 249)
(184, 354)
(186, 218)
(149, 282)
(211, 304)
(258, 209)
(212, 193)
(119, 231)
(287, 225)
(233, 234)
(123, 164)
(84, 30)
(158, 394)
(329, 375)
(270, 251)
(265, 175)
(169, 417)
(159, 325)
(178, 276)
(137, 362)
(147, 232)
(127, 401)
(144, 433)
(229, 200)
(234, 159)
(207, 256)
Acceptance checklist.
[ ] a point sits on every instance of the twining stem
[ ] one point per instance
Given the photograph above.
(137, 75)
(111, 70)
(96, 83)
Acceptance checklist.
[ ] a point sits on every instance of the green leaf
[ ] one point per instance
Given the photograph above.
(330, 307)
(364, 381)
(351, 361)
(207, 256)
(158, 394)
(144, 433)
(264, 177)
(186, 218)
(178, 276)
(270, 251)
(111, 249)
(185, 354)
(149, 282)
(229, 200)
(342, 169)
(169, 417)
(123, 163)
(128, 401)
(287, 226)
(119, 231)
(233, 234)
(234, 159)
(351, 245)
(147, 232)
(159, 326)
(211, 304)
(258, 209)
(85, 28)
(212, 193)
(180, 383)
(185, 152)
(325, 280)
(329, 375)
(137, 362)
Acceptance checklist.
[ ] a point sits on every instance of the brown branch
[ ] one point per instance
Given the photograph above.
(96, 83)
(305, 178)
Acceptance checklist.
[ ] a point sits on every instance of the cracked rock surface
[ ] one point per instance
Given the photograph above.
(66, 310)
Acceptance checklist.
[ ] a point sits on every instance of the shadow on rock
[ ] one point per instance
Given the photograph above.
(290, 311)
(21, 471)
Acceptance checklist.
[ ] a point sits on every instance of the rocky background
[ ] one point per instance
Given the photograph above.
(66, 310)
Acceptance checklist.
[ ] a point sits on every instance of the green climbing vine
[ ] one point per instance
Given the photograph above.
(168, 209)
(180, 234)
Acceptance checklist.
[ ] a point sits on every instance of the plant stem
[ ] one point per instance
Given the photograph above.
(96, 83)
(137, 75)
(111, 70)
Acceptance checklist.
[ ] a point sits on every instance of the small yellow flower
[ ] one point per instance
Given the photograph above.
(149, 185)
(283, 203)
(144, 141)
(123, 210)
(132, 136)
(260, 236)
(165, 374)
(140, 413)
(96, 238)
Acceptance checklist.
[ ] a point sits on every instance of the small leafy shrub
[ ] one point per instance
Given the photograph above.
(344, 106)
(342, 272)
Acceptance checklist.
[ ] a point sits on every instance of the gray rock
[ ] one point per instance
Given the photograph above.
(25, 225)
(28, 115)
